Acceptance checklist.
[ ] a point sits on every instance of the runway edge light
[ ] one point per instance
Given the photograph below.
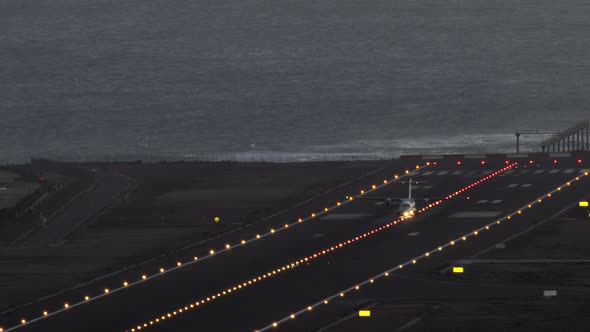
(364, 313)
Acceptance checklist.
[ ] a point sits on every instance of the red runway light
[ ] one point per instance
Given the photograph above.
(555, 161)
(483, 162)
(530, 162)
(579, 161)
(459, 162)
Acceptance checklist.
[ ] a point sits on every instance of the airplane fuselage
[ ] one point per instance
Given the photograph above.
(407, 207)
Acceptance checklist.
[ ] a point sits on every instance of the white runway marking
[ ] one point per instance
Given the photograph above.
(413, 234)
(482, 201)
(539, 171)
(472, 173)
(427, 187)
(456, 172)
(443, 173)
(486, 172)
(553, 171)
(345, 216)
(496, 201)
(427, 173)
(526, 185)
(317, 235)
(379, 203)
(512, 185)
(475, 214)
(569, 170)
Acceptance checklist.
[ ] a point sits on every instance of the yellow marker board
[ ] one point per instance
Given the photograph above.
(457, 269)
(583, 203)
(364, 313)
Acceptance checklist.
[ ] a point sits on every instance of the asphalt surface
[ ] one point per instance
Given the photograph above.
(274, 298)
(107, 192)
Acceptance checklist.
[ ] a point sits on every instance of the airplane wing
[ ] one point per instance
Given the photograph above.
(391, 199)
(438, 198)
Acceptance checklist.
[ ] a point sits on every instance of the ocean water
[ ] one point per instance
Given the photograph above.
(286, 80)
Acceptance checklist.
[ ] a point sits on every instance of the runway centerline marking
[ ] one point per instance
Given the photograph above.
(475, 214)
(387, 273)
(346, 216)
(212, 253)
(345, 243)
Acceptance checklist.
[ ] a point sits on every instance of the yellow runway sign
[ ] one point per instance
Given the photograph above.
(364, 313)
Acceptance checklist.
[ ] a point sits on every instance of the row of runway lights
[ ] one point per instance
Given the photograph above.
(414, 260)
(212, 253)
(296, 263)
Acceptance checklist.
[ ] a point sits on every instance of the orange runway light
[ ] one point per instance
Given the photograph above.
(318, 254)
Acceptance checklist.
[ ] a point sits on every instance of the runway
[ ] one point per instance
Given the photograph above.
(257, 304)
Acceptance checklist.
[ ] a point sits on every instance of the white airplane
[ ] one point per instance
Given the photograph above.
(407, 206)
